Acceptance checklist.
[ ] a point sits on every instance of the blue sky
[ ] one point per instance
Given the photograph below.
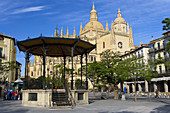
(23, 18)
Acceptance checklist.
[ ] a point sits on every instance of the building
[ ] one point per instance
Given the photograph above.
(140, 52)
(119, 38)
(7, 54)
(155, 54)
(159, 55)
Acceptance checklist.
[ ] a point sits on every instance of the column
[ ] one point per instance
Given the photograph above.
(133, 87)
(26, 70)
(146, 86)
(72, 54)
(155, 86)
(166, 86)
(81, 70)
(86, 71)
(127, 86)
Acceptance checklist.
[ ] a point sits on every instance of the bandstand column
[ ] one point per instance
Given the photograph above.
(26, 70)
(44, 63)
(64, 69)
(86, 71)
(72, 54)
(81, 69)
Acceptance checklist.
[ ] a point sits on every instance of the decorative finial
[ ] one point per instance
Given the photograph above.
(80, 28)
(140, 43)
(67, 31)
(62, 32)
(118, 13)
(93, 6)
(74, 32)
(107, 27)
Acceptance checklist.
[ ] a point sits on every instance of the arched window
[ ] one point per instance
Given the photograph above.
(103, 45)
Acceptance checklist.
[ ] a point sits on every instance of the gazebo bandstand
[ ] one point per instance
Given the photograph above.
(53, 47)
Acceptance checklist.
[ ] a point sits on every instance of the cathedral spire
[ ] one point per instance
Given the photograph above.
(57, 31)
(74, 32)
(107, 27)
(62, 32)
(80, 29)
(140, 43)
(67, 31)
(93, 6)
(119, 13)
(93, 14)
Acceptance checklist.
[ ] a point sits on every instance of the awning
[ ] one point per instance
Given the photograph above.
(18, 81)
(160, 79)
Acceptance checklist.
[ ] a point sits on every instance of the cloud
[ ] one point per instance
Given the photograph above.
(30, 9)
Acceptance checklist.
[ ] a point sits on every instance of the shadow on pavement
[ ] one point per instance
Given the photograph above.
(163, 109)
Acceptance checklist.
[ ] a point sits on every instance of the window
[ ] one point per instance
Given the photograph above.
(91, 58)
(159, 55)
(158, 45)
(160, 69)
(141, 52)
(0, 52)
(32, 73)
(103, 44)
(94, 58)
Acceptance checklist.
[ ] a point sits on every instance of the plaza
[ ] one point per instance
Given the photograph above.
(143, 105)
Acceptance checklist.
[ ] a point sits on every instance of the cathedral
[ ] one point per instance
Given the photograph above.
(119, 38)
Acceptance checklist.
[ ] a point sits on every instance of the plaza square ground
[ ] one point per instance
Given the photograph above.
(143, 105)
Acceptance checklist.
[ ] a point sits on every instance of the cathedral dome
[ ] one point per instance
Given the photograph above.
(93, 25)
(119, 18)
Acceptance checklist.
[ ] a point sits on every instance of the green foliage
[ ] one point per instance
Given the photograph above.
(5, 67)
(167, 24)
(136, 68)
(109, 61)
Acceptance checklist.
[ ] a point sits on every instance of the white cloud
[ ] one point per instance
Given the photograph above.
(30, 9)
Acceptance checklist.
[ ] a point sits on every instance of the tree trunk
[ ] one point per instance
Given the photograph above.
(135, 89)
(93, 93)
(115, 93)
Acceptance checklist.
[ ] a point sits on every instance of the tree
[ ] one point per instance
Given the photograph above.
(137, 69)
(167, 24)
(5, 67)
(109, 62)
(93, 74)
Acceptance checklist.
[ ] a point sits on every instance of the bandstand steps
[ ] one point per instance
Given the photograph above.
(60, 99)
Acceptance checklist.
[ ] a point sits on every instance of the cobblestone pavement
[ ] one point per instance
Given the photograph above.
(96, 106)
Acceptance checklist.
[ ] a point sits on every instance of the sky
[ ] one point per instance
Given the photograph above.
(30, 18)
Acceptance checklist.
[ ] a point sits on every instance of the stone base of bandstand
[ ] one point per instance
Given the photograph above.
(39, 97)
(80, 96)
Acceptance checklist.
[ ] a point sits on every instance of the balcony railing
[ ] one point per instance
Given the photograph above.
(151, 50)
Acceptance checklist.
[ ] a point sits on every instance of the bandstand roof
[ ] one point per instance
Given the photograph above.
(55, 46)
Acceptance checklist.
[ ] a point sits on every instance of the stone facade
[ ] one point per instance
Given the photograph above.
(119, 38)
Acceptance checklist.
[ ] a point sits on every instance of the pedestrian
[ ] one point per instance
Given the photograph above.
(156, 93)
(13, 95)
(125, 90)
(16, 96)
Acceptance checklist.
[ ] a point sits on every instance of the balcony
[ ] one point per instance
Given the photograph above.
(152, 50)
(156, 49)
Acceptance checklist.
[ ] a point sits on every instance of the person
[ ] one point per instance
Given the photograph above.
(125, 90)
(16, 96)
(13, 95)
(156, 93)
